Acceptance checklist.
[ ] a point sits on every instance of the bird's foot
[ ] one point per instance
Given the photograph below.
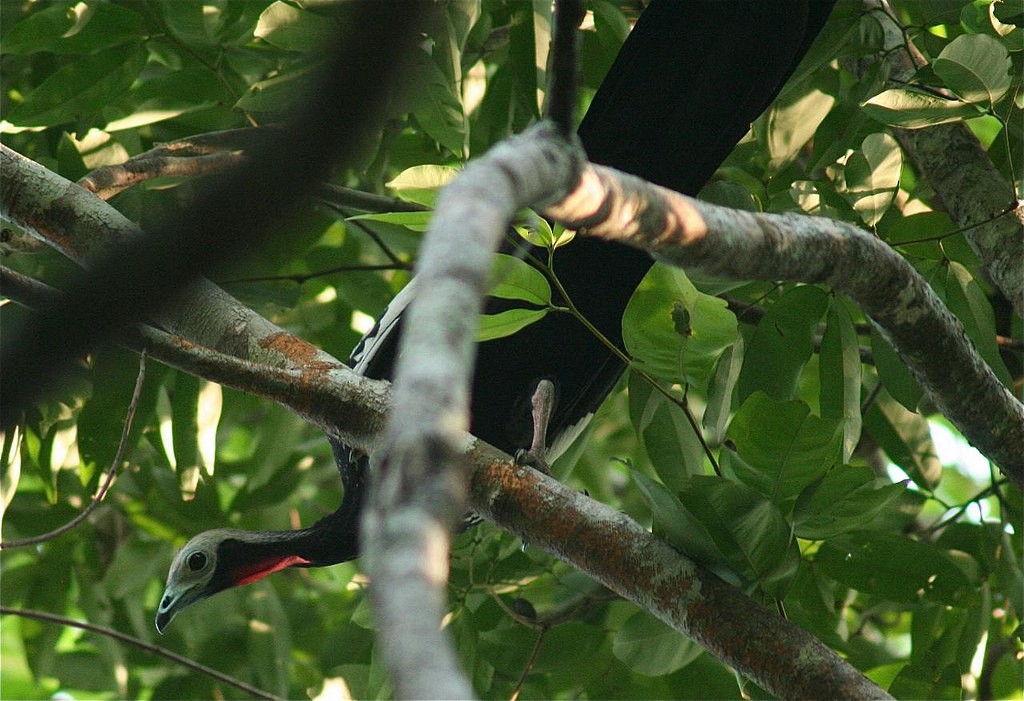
(543, 402)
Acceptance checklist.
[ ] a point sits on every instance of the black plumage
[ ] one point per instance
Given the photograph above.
(687, 83)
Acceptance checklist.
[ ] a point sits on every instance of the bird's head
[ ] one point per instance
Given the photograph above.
(217, 560)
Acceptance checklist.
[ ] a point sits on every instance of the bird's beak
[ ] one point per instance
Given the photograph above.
(176, 598)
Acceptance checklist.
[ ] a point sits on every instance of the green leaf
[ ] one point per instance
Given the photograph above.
(101, 422)
(671, 444)
(976, 67)
(681, 528)
(74, 29)
(894, 373)
(848, 498)
(650, 332)
(968, 301)
(506, 323)
(782, 446)
(872, 176)
(80, 88)
(420, 184)
(840, 375)
(652, 648)
(723, 524)
(895, 568)
(792, 120)
(920, 681)
(39, 31)
(293, 29)
(905, 438)
(278, 93)
(414, 221)
(433, 99)
(783, 343)
(909, 109)
(514, 278)
(720, 392)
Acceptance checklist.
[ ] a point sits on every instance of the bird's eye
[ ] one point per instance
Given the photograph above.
(196, 561)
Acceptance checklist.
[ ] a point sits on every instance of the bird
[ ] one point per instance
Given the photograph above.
(683, 90)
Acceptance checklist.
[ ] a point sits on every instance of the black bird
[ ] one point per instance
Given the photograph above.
(683, 90)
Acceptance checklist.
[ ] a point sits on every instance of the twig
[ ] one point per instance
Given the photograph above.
(118, 458)
(142, 645)
(529, 663)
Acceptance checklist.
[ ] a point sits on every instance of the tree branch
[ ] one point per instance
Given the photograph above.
(509, 494)
(754, 246)
(233, 211)
(968, 185)
(624, 556)
(419, 475)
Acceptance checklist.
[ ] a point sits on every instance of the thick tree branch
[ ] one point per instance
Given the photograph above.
(510, 495)
(754, 246)
(206, 325)
(419, 474)
(233, 211)
(625, 557)
(975, 195)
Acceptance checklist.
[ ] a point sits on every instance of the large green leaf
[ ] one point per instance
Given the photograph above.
(895, 568)
(674, 331)
(968, 301)
(720, 392)
(506, 323)
(514, 278)
(671, 443)
(723, 524)
(894, 373)
(848, 498)
(783, 343)
(910, 109)
(80, 88)
(871, 176)
(976, 67)
(68, 29)
(840, 375)
(782, 447)
(653, 648)
(293, 29)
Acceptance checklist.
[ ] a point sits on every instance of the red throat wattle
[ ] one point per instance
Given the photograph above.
(248, 574)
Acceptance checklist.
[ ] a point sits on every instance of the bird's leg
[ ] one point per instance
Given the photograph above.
(543, 402)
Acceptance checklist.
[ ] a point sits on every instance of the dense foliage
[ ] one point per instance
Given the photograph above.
(834, 504)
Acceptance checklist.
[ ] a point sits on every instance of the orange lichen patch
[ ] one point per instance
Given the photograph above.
(292, 347)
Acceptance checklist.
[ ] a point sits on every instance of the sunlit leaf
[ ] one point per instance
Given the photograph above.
(650, 332)
(80, 88)
(911, 109)
(871, 176)
(506, 323)
(293, 29)
(839, 374)
(420, 184)
(976, 67)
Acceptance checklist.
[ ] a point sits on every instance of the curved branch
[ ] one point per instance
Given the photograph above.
(233, 211)
(624, 556)
(972, 190)
(755, 246)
